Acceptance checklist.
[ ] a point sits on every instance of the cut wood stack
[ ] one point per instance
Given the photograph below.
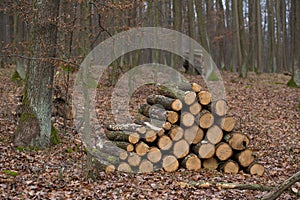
(183, 127)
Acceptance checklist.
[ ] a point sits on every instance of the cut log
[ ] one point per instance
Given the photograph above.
(256, 169)
(219, 107)
(146, 166)
(230, 167)
(191, 162)
(210, 163)
(187, 97)
(181, 149)
(187, 119)
(124, 167)
(204, 149)
(245, 158)
(193, 134)
(134, 160)
(196, 87)
(126, 127)
(154, 155)
(223, 151)
(227, 123)
(166, 102)
(155, 112)
(170, 163)
(185, 86)
(124, 145)
(206, 119)
(164, 142)
(214, 134)
(123, 155)
(204, 97)
(176, 133)
(110, 168)
(124, 136)
(141, 148)
(237, 141)
(195, 108)
(150, 135)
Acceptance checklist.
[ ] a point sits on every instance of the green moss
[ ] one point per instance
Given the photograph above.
(111, 159)
(213, 76)
(20, 148)
(11, 173)
(292, 83)
(54, 136)
(17, 78)
(26, 115)
(69, 150)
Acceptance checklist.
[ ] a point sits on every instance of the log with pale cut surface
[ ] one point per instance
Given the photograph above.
(195, 108)
(154, 154)
(219, 107)
(206, 119)
(214, 134)
(150, 135)
(245, 158)
(164, 142)
(126, 127)
(124, 167)
(181, 148)
(146, 166)
(176, 133)
(193, 134)
(223, 151)
(155, 112)
(191, 162)
(230, 167)
(141, 148)
(170, 163)
(187, 97)
(123, 155)
(134, 160)
(204, 97)
(204, 149)
(187, 119)
(237, 141)
(124, 145)
(255, 169)
(227, 123)
(210, 163)
(166, 102)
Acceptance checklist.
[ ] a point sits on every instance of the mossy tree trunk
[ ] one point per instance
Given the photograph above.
(39, 80)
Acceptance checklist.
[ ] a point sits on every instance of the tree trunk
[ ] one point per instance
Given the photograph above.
(296, 64)
(38, 90)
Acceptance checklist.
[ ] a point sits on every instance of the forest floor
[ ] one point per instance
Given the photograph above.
(267, 111)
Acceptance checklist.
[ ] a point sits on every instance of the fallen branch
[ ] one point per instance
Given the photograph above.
(277, 191)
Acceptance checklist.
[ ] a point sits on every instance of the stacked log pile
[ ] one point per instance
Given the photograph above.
(183, 127)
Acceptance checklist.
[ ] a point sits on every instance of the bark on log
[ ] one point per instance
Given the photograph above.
(204, 150)
(126, 127)
(193, 134)
(170, 163)
(277, 191)
(187, 97)
(206, 119)
(154, 155)
(214, 134)
(176, 133)
(230, 167)
(141, 148)
(164, 142)
(181, 149)
(256, 169)
(223, 151)
(187, 119)
(237, 141)
(210, 163)
(245, 158)
(155, 112)
(227, 123)
(204, 97)
(124, 145)
(146, 166)
(166, 102)
(125, 136)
